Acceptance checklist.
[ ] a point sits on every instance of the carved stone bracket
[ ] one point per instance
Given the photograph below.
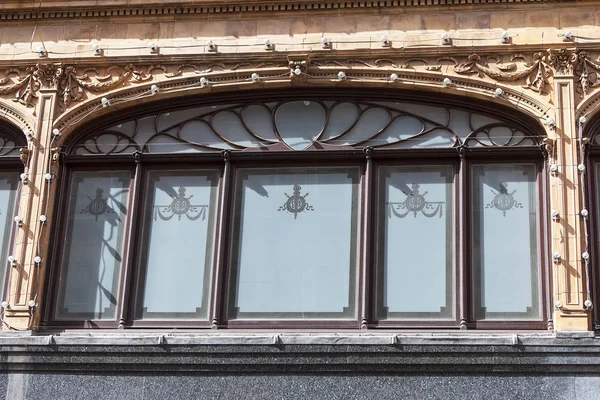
(298, 64)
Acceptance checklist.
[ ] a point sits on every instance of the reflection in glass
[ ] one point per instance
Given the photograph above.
(505, 265)
(415, 278)
(299, 123)
(8, 191)
(93, 247)
(177, 252)
(295, 243)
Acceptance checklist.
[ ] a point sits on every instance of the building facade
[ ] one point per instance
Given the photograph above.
(300, 199)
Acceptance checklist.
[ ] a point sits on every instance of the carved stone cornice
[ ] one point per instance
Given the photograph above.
(219, 9)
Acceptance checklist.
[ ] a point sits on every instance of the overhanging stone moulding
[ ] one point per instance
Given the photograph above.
(155, 10)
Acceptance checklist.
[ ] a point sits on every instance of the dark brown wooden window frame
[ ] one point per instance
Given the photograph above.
(591, 159)
(11, 163)
(368, 160)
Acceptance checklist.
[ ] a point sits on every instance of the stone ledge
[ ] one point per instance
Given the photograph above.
(74, 338)
(231, 353)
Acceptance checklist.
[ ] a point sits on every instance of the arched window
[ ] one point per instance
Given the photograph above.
(317, 211)
(590, 152)
(12, 151)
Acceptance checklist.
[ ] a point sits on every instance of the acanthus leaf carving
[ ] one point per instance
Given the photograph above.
(587, 72)
(29, 82)
(536, 74)
(25, 88)
(562, 60)
(72, 86)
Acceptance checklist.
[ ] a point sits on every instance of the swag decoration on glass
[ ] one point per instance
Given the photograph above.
(181, 206)
(415, 202)
(504, 201)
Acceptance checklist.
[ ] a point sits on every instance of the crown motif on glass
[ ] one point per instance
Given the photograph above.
(296, 203)
(98, 205)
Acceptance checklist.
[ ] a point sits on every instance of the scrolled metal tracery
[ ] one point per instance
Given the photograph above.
(306, 124)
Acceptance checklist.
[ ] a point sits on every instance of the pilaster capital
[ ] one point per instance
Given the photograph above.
(563, 61)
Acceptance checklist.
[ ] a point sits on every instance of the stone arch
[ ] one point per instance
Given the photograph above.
(184, 89)
(102, 128)
(14, 120)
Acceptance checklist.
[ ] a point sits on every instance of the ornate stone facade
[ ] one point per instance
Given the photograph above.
(66, 65)
(61, 65)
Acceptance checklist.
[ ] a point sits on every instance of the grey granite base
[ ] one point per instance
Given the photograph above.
(273, 386)
(298, 366)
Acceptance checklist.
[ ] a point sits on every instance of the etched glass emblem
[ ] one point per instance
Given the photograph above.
(503, 200)
(98, 205)
(415, 203)
(296, 203)
(181, 205)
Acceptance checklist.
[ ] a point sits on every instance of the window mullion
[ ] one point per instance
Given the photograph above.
(365, 265)
(221, 233)
(128, 268)
(462, 238)
(545, 251)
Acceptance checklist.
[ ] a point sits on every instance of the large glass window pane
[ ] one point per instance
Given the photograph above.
(178, 245)
(505, 242)
(9, 182)
(93, 247)
(295, 243)
(416, 256)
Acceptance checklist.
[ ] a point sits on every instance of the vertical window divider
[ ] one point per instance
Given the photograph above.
(545, 259)
(60, 196)
(58, 231)
(217, 299)
(127, 285)
(591, 193)
(462, 239)
(365, 265)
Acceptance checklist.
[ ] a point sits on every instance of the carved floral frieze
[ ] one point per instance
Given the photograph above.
(72, 86)
(533, 71)
(25, 84)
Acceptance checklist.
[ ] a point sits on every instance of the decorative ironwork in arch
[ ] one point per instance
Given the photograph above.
(306, 124)
(11, 141)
